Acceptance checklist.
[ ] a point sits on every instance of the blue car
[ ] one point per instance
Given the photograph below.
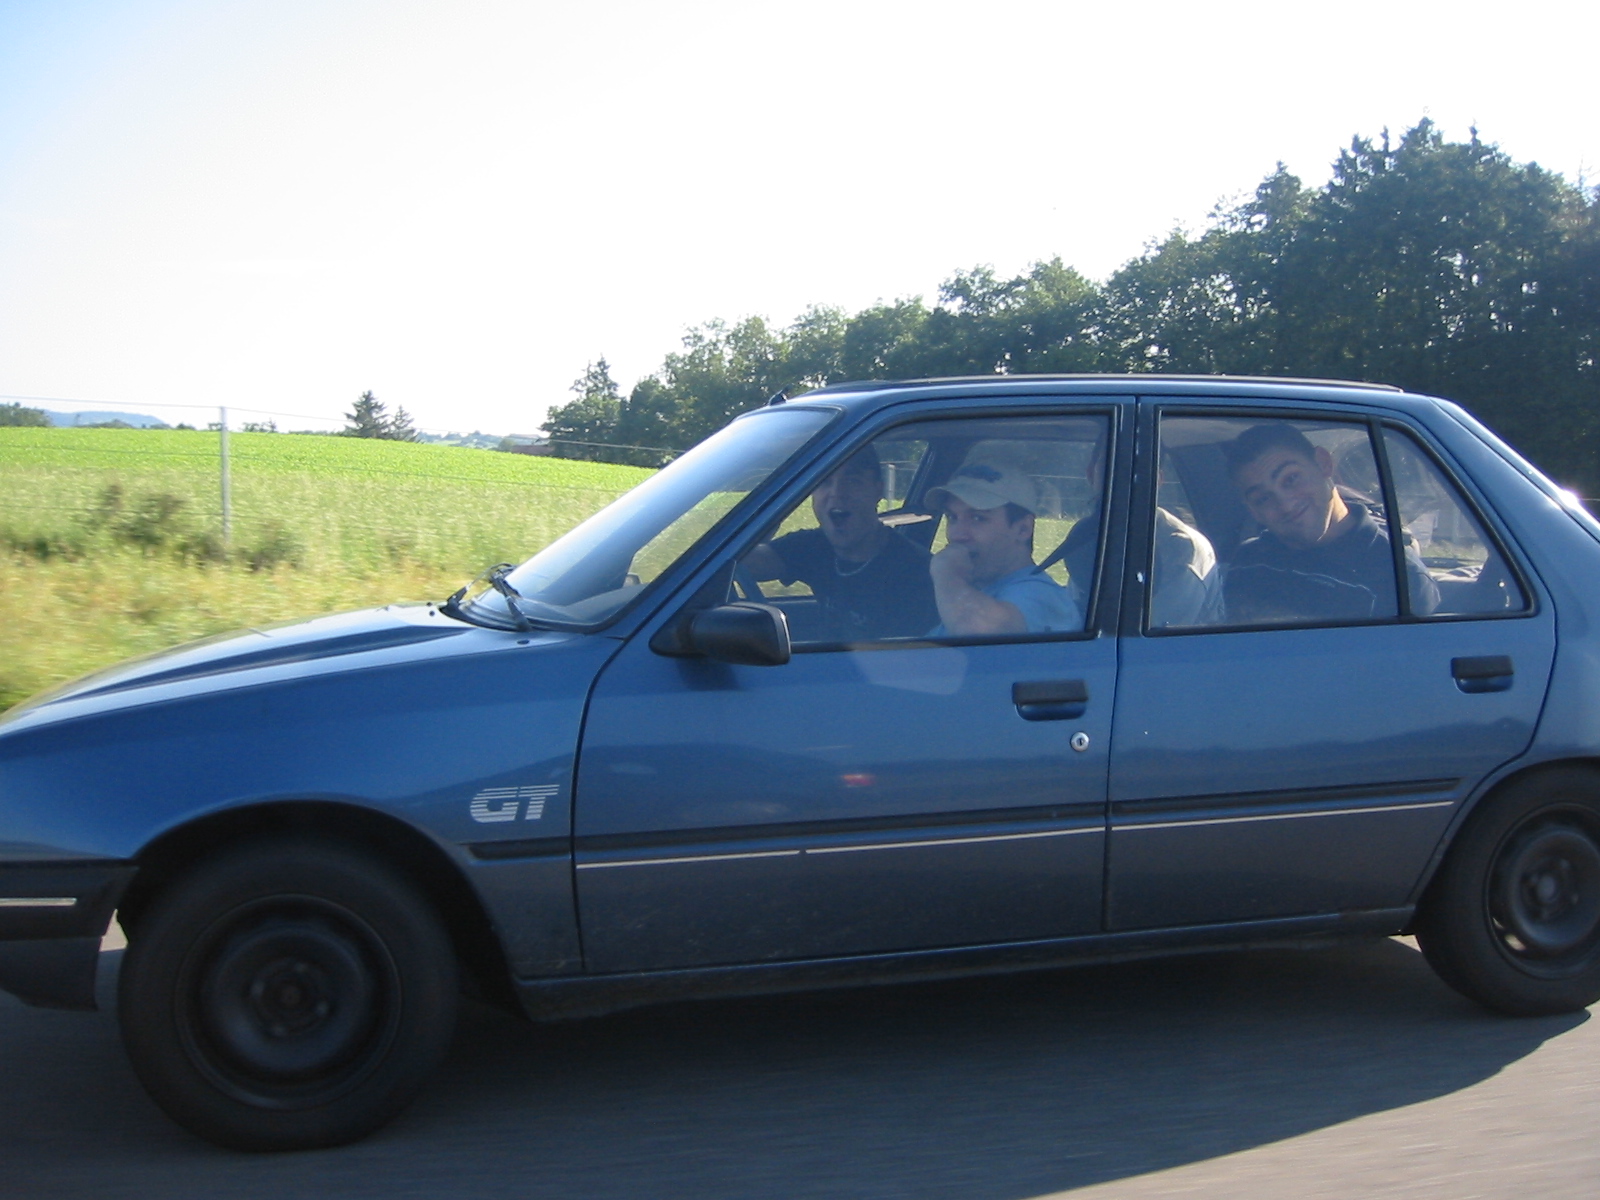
(893, 680)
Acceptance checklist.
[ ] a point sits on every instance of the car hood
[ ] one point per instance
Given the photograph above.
(257, 650)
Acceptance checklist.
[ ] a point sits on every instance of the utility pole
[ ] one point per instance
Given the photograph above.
(227, 483)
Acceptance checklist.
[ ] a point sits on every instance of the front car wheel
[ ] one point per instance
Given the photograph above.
(288, 994)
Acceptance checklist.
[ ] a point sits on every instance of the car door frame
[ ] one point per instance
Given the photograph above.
(1103, 610)
(1138, 579)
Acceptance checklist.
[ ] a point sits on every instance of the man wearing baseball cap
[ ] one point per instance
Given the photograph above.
(984, 580)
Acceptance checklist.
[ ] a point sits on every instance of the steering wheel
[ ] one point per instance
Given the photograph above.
(747, 583)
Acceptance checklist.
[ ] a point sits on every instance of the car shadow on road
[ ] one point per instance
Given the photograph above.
(995, 1089)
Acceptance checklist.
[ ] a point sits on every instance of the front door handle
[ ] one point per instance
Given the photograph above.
(1486, 673)
(1050, 699)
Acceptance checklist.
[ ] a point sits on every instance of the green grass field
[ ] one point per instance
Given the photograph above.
(110, 539)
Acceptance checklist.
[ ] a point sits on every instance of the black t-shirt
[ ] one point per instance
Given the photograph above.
(1348, 579)
(889, 595)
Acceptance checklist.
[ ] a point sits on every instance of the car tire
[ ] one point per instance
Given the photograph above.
(1512, 920)
(287, 994)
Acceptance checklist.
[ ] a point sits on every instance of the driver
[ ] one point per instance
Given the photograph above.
(870, 582)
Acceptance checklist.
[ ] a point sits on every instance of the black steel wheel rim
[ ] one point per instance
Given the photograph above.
(289, 1002)
(1544, 894)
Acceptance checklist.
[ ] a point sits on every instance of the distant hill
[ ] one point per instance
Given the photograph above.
(136, 420)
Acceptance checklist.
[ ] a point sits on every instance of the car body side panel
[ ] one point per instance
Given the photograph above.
(1279, 772)
(1566, 563)
(472, 749)
(844, 803)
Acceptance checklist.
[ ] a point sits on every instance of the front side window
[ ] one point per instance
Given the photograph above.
(957, 528)
(1273, 521)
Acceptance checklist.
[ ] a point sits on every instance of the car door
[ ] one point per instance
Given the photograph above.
(1266, 765)
(871, 795)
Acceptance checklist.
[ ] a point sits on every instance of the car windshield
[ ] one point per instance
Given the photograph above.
(588, 575)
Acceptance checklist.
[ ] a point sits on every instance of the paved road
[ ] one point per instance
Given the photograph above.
(1337, 1073)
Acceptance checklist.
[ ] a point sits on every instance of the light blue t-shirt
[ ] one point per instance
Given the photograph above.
(1046, 606)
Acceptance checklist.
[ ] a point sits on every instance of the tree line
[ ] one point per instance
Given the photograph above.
(16, 415)
(368, 418)
(1444, 267)
(371, 418)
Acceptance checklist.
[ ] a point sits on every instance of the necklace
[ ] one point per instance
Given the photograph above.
(855, 570)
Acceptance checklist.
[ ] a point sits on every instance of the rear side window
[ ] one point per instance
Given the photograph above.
(1466, 569)
(1266, 522)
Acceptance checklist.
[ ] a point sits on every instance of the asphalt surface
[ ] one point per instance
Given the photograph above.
(1339, 1072)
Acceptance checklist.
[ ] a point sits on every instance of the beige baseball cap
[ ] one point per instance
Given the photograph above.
(986, 485)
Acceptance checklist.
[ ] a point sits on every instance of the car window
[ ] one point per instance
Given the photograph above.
(591, 573)
(949, 529)
(1269, 522)
(1467, 571)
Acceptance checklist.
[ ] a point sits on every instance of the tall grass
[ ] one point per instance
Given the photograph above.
(110, 539)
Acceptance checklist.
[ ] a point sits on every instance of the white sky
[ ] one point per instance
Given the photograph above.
(277, 204)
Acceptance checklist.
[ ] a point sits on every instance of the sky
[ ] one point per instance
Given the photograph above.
(458, 204)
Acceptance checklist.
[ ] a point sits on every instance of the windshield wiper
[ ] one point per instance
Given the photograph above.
(494, 578)
(517, 604)
(497, 580)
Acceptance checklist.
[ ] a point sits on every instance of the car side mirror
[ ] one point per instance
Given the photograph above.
(755, 635)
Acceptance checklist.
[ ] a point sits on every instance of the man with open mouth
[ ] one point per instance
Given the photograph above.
(870, 582)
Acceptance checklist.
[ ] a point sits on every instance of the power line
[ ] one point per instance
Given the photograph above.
(611, 446)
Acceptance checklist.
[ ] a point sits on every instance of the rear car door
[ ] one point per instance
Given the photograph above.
(1268, 763)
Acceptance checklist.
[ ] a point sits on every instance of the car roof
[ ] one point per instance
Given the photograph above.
(875, 393)
(1138, 381)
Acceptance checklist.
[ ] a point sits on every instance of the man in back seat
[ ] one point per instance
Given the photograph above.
(1322, 556)
(1185, 586)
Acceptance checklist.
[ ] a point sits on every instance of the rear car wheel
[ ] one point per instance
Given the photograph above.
(287, 994)
(1513, 918)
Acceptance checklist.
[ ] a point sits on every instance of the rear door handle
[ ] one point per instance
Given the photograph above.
(1486, 673)
(1050, 699)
